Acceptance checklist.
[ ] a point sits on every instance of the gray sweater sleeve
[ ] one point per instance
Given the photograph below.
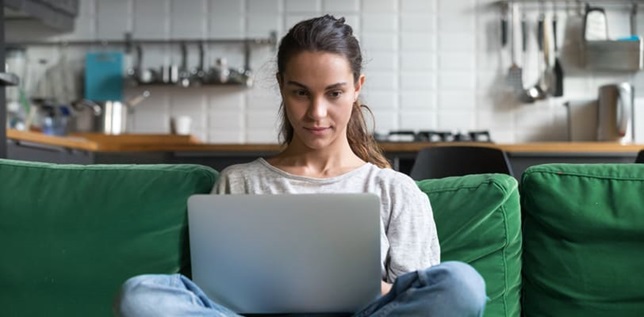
(408, 236)
(411, 231)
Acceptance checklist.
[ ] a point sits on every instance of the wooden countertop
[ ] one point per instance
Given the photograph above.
(178, 143)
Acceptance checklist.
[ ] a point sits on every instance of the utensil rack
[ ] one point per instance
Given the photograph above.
(129, 43)
(578, 5)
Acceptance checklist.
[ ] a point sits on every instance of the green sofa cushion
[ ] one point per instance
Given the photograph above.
(71, 234)
(478, 220)
(583, 240)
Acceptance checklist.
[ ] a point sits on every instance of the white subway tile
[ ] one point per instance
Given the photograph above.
(225, 99)
(379, 42)
(417, 100)
(418, 81)
(455, 120)
(457, 61)
(262, 119)
(493, 120)
(456, 42)
(534, 117)
(418, 120)
(379, 22)
(376, 80)
(264, 98)
(188, 19)
(417, 6)
(417, 61)
(382, 100)
(460, 7)
(379, 6)
(226, 19)
(303, 6)
(150, 122)
(417, 22)
(113, 19)
(417, 41)
(456, 80)
(341, 5)
(151, 19)
(380, 60)
(226, 120)
(457, 100)
(263, 7)
(188, 101)
(259, 25)
(385, 120)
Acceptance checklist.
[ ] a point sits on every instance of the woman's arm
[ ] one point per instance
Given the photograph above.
(385, 287)
(411, 231)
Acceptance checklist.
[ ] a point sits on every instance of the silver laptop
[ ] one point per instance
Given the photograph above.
(274, 254)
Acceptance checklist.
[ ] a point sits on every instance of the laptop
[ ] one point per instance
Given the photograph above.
(286, 254)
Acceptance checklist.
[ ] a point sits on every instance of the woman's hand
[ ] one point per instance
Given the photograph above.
(385, 287)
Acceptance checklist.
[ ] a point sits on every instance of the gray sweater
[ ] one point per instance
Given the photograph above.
(408, 237)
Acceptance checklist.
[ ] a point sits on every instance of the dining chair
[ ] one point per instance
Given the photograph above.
(445, 161)
(640, 157)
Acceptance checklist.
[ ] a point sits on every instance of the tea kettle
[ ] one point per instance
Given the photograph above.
(108, 117)
(615, 113)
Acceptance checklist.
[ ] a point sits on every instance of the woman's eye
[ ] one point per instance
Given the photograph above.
(301, 93)
(335, 94)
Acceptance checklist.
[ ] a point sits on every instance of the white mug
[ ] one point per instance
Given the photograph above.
(180, 125)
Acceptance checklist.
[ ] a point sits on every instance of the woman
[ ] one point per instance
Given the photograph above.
(328, 149)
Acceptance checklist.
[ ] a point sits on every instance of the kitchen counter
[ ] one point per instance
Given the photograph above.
(91, 148)
(178, 143)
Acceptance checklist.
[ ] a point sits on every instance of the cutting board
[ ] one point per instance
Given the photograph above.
(104, 76)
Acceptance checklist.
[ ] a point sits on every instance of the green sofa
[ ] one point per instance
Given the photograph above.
(566, 241)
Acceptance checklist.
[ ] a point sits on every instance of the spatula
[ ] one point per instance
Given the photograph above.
(515, 72)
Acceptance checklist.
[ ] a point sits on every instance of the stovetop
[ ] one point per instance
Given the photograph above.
(433, 136)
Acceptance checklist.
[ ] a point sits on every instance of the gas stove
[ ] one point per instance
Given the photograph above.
(433, 136)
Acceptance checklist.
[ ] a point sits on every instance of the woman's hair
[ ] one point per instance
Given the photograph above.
(328, 34)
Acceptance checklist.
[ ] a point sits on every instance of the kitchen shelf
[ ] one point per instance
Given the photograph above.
(128, 43)
(58, 14)
(9, 79)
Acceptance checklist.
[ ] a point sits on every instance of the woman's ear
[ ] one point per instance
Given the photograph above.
(278, 76)
(358, 86)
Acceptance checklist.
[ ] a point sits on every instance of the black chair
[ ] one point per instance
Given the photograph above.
(444, 161)
(640, 157)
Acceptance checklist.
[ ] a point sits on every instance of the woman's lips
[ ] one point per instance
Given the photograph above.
(317, 130)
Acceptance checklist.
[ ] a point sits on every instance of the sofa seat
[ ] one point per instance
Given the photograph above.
(583, 240)
(478, 220)
(70, 235)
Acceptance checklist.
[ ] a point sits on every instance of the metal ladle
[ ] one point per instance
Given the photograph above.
(540, 90)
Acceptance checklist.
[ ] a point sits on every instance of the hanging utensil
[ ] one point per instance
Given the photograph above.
(515, 73)
(526, 95)
(558, 87)
(538, 90)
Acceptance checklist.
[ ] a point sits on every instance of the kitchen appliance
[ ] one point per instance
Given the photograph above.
(108, 117)
(615, 113)
(609, 118)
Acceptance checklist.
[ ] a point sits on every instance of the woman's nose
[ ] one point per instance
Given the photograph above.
(317, 108)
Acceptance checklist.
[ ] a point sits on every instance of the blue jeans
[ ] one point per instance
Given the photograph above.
(448, 289)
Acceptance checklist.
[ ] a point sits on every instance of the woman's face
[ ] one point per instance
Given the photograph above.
(318, 90)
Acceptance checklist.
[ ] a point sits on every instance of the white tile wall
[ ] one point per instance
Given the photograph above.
(429, 64)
